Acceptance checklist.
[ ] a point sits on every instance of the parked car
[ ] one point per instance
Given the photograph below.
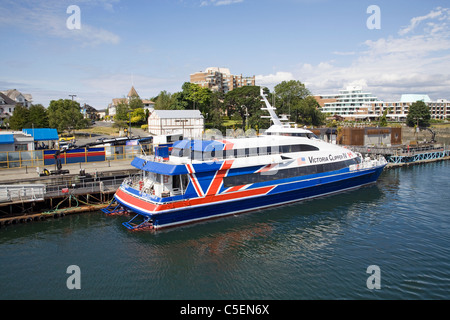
(67, 138)
(66, 145)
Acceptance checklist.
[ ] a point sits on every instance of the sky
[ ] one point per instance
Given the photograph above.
(98, 52)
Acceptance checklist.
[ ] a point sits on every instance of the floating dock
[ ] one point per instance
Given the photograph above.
(399, 156)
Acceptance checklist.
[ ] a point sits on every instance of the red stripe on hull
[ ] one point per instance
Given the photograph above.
(218, 179)
(158, 208)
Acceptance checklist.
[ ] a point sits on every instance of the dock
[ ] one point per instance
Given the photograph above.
(25, 196)
(399, 156)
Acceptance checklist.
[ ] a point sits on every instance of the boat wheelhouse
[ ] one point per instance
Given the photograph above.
(206, 179)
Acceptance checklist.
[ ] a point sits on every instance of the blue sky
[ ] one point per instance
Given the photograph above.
(157, 44)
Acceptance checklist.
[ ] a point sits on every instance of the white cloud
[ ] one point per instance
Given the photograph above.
(219, 2)
(407, 63)
(49, 18)
(273, 79)
(344, 53)
(438, 12)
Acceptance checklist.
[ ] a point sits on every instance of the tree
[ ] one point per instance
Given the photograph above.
(193, 97)
(165, 101)
(383, 118)
(20, 118)
(213, 117)
(309, 111)
(122, 112)
(135, 103)
(418, 114)
(38, 116)
(138, 116)
(65, 115)
(288, 94)
(246, 101)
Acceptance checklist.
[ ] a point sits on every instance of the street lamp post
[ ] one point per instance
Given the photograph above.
(183, 121)
(129, 125)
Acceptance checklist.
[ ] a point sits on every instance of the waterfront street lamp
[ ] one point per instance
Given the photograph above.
(129, 124)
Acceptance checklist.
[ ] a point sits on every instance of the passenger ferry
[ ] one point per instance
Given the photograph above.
(206, 179)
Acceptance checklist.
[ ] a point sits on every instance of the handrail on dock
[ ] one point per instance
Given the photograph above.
(29, 192)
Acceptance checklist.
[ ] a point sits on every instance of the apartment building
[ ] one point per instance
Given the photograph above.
(353, 103)
(398, 110)
(220, 79)
(347, 103)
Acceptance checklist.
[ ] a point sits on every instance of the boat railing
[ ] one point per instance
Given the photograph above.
(147, 186)
(368, 163)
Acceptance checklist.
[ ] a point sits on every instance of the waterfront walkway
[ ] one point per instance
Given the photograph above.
(14, 176)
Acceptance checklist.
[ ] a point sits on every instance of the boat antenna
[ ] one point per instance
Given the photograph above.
(270, 109)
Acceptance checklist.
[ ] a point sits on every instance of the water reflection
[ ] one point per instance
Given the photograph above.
(277, 233)
(313, 249)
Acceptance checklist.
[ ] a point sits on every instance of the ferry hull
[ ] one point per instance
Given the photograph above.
(283, 195)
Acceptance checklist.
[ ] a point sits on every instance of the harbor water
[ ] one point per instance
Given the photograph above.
(326, 248)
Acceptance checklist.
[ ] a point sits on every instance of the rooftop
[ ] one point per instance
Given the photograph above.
(415, 97)
(178, 114)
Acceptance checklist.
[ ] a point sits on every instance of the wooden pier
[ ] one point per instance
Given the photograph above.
(29, 199)
(26, 218)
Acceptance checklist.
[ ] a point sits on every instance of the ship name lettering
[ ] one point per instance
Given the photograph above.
(317, 159)
(338, 157)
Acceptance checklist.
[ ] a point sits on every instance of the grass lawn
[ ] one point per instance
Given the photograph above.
(109, 131)
(440, 125)
(230, 123)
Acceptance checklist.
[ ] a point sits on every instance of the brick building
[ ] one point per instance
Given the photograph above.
(220, 79)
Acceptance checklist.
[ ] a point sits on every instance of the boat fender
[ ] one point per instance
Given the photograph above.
(46, 172)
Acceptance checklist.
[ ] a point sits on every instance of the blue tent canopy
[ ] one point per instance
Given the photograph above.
(206, 145)
(42, 134)
(6, 138)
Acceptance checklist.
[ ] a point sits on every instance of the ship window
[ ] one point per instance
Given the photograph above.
(253, 151)
(262, 151)
(245, 152)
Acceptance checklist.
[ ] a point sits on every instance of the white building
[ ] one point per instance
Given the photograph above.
(7, 106)
(354, 104)
(347, 103)
(188, 122)
(11, 141)
(19, 98)
(147, 104)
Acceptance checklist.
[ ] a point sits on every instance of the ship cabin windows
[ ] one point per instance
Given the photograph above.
(213, 155)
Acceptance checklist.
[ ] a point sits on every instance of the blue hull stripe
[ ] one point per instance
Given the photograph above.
(281, 194)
